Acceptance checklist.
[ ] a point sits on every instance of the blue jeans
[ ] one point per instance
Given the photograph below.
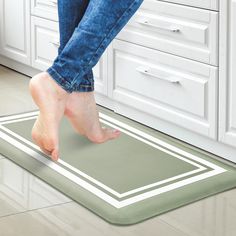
(86, 29)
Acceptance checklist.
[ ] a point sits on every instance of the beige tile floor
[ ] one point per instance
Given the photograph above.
(13, 86)
(29, 206)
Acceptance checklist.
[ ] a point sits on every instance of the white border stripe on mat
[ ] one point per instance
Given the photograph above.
(61, 170)
(15, 117)
(98, 183)
(136, 131)
(18, 120)
(170, 187)
(93, 189)
(158, 141)
(127, 127)
(98, 192)
(151, 138)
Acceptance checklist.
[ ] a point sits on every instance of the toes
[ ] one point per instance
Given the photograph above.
(111, 134)
(52, 147)
(55, 155)
(46, 151)
(48, 147)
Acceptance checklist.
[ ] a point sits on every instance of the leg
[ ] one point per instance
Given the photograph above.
(100, 24)
(49, 97)
(67, 25)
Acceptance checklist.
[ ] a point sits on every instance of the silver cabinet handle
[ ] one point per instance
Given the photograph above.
(146, 22)
(145, 71)
(54, 2)
(57, 44)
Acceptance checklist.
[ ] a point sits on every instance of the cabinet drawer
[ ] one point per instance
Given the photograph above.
(45, 8)
(180, 30)
(208, 4)
(175, 89)
(45, 42)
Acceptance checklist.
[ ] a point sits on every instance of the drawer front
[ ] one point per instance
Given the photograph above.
(207, 4)
(184, 31)
(169, 87)
(45, 42)
(45, 8)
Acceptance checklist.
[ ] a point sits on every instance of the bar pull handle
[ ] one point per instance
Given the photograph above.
(54, 2)
(57, 44)
(145, 71)
(148, 23)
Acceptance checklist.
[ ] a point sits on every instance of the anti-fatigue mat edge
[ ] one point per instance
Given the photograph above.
(221, 177)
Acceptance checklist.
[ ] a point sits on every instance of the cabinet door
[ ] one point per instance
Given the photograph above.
(15, 29)
(44, 42)
(227, 82)
(45, 8)
(176, 29)
(164, 86)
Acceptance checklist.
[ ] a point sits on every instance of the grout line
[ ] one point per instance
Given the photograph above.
(36, 209)
(172, 226)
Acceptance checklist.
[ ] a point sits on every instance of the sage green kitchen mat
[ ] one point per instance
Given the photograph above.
(140, 175)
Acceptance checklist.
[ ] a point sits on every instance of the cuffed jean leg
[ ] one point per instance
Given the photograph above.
(70, 13)
(101, 22)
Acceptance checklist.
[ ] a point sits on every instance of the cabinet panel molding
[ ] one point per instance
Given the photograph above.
(15, 30)
(45, 8)
(227, 83)
(180, 30)
(147, 80)
(208, 4)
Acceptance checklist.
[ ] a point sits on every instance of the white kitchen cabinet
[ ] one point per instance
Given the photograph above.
(175, 89)
(45, 8)
(44, 42)
(180, 30)
(227, 83)
(15, 30)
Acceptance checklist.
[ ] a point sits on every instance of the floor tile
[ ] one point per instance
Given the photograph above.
(212, 216)
(14, 89)
(72, 219)
(21, 191)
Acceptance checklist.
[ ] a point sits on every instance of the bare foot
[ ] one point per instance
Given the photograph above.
(82, 112)
(51, 100)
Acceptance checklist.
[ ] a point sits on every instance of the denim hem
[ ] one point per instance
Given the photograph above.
(84, 88)
(59, 79)
(86, 85)
(66, 86)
